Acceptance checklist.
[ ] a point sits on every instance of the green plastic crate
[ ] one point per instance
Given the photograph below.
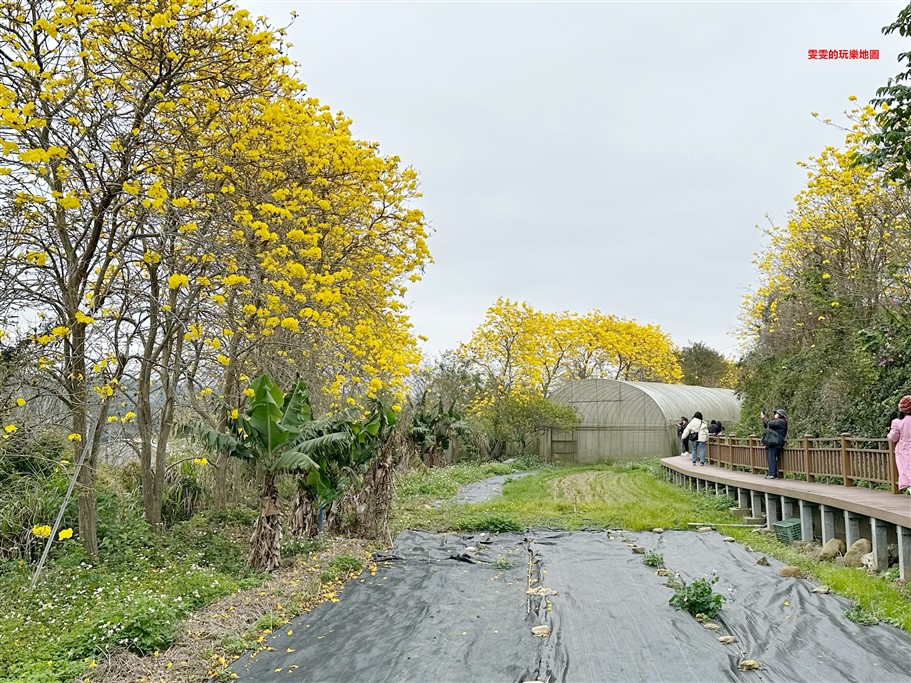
(788, 530)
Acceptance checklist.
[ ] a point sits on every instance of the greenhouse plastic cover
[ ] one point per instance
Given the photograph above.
(458, 608)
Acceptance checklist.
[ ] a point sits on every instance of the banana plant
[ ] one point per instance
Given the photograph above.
(273, 433)
(342, 447)
(433, 429)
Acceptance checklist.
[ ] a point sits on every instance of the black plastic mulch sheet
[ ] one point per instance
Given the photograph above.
(458, 608)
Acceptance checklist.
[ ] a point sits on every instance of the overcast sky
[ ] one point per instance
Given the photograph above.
(616, 156)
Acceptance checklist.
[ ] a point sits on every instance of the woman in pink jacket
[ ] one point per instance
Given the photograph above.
(900, 435)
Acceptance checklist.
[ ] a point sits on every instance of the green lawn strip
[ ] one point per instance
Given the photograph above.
(422, 494)
(444, 482)
(627, 497)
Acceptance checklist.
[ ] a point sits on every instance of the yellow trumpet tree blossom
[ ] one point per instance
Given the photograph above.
(828, 316)
(842, 252)
(523, 354)
(95, 99)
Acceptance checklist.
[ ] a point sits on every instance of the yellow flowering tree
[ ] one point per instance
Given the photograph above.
(322, 246)
(833, 282)
(523, 354)
(177, 209)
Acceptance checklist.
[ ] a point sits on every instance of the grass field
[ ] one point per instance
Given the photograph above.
(628, 496)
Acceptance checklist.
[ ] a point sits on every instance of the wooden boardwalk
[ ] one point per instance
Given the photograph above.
(889, 507)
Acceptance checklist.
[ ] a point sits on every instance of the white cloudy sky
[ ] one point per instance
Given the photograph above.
(592, 155)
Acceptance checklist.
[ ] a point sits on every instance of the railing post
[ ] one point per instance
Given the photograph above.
(846, 460)
(808, 457)
(751, 439)
(893, 468)
(730, 441)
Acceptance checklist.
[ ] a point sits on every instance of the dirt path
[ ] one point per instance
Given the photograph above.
(214, 636)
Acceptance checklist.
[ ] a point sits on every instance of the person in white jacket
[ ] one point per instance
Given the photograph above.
(700, 428)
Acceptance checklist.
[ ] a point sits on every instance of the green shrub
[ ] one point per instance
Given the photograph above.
(44, 671)
(27, 501)
(502, 562)
(710, 501)
(184, 493)
(267, 622)
(698, 597)
(32, 451)
(235, 516)
(145, 624)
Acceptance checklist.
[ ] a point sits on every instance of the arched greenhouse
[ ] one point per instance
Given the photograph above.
(628, 420)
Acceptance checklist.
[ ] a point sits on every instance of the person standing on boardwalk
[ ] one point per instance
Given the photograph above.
(697, 433)
(684, 444)
(900, 435)
(773, 436)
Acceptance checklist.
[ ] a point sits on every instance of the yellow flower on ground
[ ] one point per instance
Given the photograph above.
(41, 531)
(74, 437)
(201, 461)
(129, 415)
(235, 414)
(65, 534)
(249, 392)
(20, 402)
(9, 429)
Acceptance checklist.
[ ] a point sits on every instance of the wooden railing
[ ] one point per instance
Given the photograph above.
(851, 459)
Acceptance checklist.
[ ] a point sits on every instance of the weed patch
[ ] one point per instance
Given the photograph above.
(697, 597)
(859, 615)
(341, 566)
(653, 559)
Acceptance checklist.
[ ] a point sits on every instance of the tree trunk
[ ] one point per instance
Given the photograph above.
(265, 546)
(171, 351)
(78, 392)
(231, 394)
(151, 501)
(88, 520)
(221, 480)
(304, 516)
(497, 448)
(373, 503)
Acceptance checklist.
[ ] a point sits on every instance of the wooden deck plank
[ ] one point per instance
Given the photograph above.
(889, 507)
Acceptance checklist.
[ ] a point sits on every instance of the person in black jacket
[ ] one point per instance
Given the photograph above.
(715, 427)
(684, 445)
(773, 436)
